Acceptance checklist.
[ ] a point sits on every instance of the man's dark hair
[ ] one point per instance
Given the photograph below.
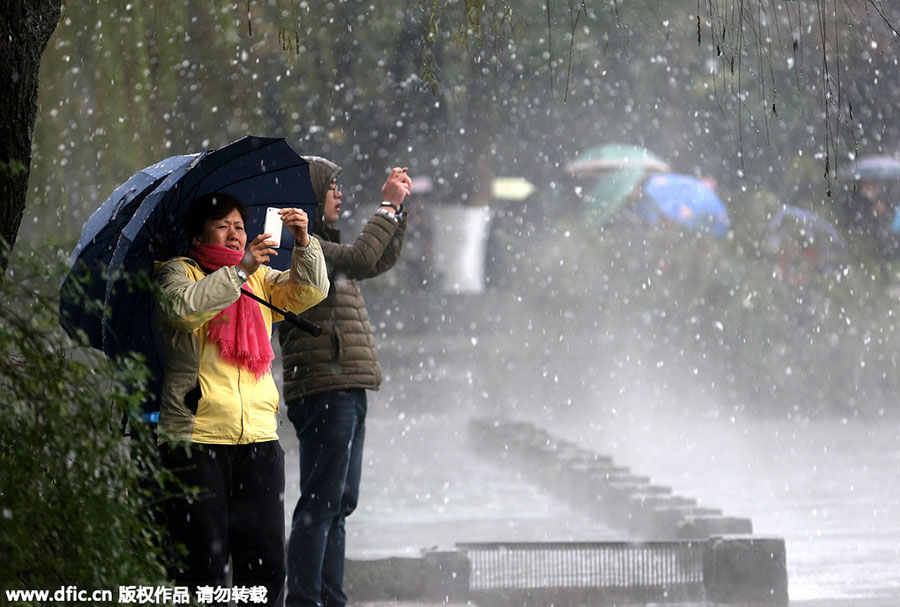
(211, 206)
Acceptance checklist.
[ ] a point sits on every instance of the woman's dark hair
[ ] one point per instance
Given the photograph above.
(210, 207)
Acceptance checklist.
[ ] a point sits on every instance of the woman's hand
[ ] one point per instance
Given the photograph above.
(298, 223)
(257, 253)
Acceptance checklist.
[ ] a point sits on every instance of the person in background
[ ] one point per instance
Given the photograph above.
(219, 402)
(325, 383)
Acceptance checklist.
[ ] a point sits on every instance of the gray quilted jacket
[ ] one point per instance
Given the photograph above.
(343, 356)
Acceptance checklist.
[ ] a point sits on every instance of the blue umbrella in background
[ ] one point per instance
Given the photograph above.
(261, 172)
(85, 280)
(686, 201)
(803, 243)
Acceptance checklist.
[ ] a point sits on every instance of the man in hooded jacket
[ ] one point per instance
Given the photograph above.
(325, 383)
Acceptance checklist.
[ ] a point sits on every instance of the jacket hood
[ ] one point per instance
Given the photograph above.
(321, 173)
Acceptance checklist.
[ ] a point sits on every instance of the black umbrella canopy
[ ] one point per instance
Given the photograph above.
(259, 171)
(85, 282)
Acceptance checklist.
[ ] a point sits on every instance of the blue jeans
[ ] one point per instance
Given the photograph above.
(331, 428)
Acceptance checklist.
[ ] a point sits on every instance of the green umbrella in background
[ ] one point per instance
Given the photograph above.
(614, 171)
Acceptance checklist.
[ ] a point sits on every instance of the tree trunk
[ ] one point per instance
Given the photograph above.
(25, 29)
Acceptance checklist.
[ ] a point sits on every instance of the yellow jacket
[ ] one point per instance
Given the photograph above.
(231, 406)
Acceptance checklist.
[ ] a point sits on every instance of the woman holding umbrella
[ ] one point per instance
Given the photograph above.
(217, 418)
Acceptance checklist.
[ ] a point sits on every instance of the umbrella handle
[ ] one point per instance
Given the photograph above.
(301, 323)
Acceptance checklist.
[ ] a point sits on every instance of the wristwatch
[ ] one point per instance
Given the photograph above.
(396, 212)
(241, 274)
(387, 212)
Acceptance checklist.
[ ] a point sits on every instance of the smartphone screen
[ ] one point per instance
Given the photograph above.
(273, 225)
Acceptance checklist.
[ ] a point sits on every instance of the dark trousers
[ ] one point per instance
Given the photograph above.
(237, 511)
(331, 428)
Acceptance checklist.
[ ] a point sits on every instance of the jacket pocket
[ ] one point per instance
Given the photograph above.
(192, 399)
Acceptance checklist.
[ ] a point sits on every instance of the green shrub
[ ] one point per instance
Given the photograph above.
(75, 494)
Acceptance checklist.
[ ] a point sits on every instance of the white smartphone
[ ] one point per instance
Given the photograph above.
(273, 225)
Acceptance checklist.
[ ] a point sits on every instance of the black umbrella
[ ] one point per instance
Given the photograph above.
(86, 282)
(261, 172)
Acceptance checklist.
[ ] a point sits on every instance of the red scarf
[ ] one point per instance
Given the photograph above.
(239, 330)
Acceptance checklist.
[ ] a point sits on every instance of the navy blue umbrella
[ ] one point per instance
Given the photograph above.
(803, 243)
(261, 172)
(84, 287)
